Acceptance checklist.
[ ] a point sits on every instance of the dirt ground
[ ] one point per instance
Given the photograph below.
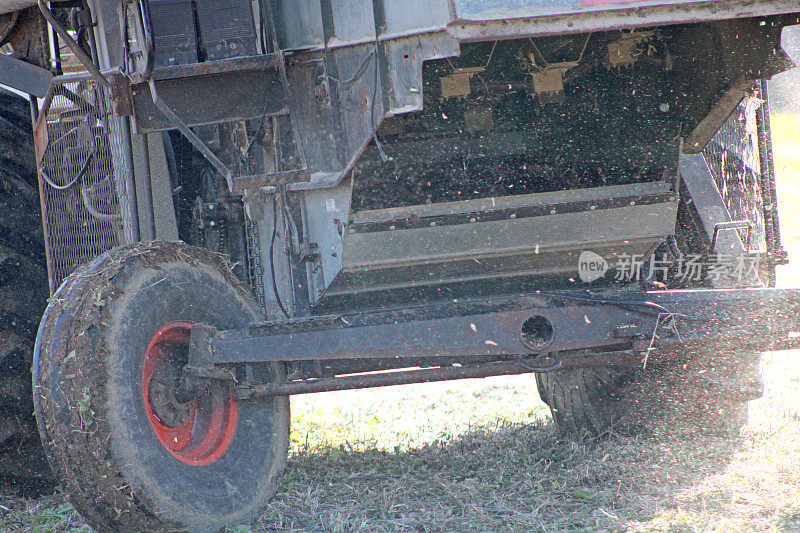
(482, 455)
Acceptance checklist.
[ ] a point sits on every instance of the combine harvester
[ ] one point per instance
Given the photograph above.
(380, 192)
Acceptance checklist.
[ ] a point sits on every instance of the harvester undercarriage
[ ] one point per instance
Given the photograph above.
(389, 193)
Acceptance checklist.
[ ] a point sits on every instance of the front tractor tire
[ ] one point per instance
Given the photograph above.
(107, 361)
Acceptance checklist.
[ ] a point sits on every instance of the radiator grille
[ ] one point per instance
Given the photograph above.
(83, 168)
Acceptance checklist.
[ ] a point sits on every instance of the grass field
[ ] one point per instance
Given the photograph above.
(483, 456)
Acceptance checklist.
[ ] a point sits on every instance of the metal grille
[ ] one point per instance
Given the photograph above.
(84, 165)
(735, 162)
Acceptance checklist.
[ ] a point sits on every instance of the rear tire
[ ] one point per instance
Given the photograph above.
(23, 296)
(91, 380)
(705, 396)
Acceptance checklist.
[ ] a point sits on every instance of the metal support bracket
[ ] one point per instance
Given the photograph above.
(235, 183)
(23, 76)
(256, 93)
(538, 334)
(196, 141)
(426, 375)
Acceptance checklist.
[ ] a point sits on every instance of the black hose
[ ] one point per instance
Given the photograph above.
(272, 254)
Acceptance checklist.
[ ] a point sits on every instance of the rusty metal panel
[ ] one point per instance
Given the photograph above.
(84, 165)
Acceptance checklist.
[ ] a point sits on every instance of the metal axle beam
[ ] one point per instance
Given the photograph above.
(563, 323)
(429, 375)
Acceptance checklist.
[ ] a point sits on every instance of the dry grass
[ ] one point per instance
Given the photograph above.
(444, 458)
(482, 455)
(514, 475)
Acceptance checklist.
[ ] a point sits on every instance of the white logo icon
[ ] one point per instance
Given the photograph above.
(591, 266)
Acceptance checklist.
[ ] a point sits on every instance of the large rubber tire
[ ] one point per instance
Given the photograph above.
(23, 296)
(88, 381)
(705, 396)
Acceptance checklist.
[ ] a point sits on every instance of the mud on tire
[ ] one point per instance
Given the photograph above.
(88, 379)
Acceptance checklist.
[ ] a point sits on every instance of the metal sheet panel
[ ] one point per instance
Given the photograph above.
(23, 76)
(353, 21)
(241, 89)
(300, 24)
(526, 235)
(403, 16)
(484, 10)
(503, 237)
(326, 211)
(475, 20)
(7, 6)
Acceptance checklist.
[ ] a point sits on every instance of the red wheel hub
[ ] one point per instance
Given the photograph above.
(197, 432)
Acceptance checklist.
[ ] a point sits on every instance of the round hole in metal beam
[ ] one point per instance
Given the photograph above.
(537, 331)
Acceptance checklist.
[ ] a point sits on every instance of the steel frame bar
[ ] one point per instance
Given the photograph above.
(24, 76)
(666, 320)
(148, 223)
(429, 375)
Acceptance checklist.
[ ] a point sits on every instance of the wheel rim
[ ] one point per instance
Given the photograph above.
(198, 432)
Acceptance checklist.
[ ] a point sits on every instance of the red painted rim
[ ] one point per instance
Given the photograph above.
(210, 420)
